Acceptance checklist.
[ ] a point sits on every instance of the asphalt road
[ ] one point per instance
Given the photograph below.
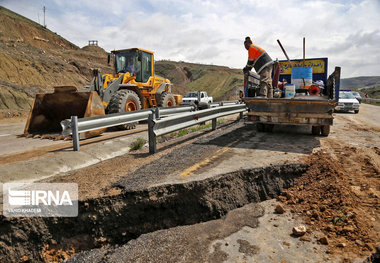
(10, 144)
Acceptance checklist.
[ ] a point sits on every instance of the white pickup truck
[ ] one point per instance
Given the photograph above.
(192, 96)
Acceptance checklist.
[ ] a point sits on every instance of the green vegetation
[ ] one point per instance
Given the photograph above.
(137, 144)
(192, 129)
(373, 92)
(372, 103)
(235, 80)
(205, 126)
(339, 219)
(359, 82)
(182, 132)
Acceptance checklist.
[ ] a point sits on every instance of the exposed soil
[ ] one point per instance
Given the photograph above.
(13, 116)
(34, 60)
(339, 196)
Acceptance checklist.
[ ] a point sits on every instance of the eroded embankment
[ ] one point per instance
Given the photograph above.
(118, 219)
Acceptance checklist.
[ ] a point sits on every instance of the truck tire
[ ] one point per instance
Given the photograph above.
(167, 100)
(315, 130)
(356, 111)
(124, 101)
(268, 127)
(325, 129)
(260, 127)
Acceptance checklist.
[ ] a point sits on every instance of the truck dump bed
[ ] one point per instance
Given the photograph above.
(315, 111)
(290, 111)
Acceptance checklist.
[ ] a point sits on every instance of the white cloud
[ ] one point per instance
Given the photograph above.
(347, 32)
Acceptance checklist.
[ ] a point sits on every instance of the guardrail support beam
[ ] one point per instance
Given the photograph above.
(74, 128)
(214, 124)
(151, 135)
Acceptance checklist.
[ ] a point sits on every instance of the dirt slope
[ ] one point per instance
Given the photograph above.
(220, 82)
(33, 59)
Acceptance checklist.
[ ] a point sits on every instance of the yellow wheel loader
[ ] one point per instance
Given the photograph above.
(134, 86)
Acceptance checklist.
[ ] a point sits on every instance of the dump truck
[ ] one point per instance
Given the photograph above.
(132, 87)
(303, 109)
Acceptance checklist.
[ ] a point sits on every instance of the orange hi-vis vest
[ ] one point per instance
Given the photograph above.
(254, 52)
(258, 58)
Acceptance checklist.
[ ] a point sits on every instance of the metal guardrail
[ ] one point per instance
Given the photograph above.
(75, 126)
(225, 103)
(371, 100)
(105, 121)
(158, 127)
(115, 119)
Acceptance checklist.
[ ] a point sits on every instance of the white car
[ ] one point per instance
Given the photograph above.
(192, 96)
(347, 102)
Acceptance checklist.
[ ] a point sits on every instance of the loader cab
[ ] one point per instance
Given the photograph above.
(137, 62)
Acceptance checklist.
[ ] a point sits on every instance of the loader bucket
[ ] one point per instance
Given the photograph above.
(50, 109)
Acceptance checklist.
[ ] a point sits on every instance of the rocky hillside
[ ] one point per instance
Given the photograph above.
(33, 59)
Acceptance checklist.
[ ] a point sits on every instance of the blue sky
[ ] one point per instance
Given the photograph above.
(212, 32)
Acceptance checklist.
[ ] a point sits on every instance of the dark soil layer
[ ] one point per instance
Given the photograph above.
(118, 219)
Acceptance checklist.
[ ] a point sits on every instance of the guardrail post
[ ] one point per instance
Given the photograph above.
(74, 128)
(214, 124)
(157, 113)
(151, 135)
(240, 115)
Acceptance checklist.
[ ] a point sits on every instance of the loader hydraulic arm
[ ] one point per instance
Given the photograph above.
(97, 83)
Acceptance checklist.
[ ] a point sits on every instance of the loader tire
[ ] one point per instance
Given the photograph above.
(124, 101)
(167, 100)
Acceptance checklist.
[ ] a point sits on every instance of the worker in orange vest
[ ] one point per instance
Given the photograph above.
(259, 59)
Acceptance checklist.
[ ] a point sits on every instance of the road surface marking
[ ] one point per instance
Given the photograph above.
(218, 153)
(196, 166)
(1, 135)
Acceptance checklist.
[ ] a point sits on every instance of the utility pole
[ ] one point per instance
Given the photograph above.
(44, 16)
